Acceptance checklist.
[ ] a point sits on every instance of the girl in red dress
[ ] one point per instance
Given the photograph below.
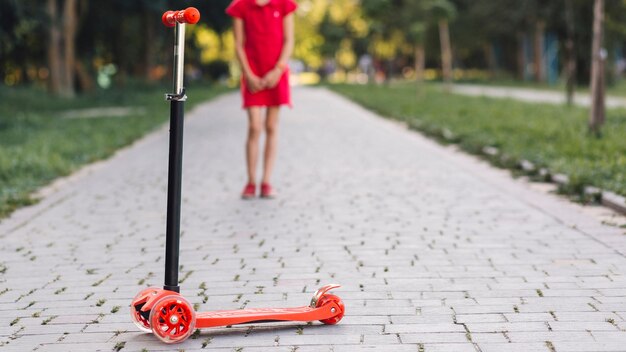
(264, 39)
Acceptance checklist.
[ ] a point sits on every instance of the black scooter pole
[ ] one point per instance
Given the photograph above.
(174, 179)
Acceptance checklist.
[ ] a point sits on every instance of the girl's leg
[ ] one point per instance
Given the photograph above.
(271, 142)
(255, 127)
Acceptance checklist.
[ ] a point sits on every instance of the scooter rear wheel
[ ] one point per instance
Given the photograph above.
(327, 299)
(141, 323)
(172, 319)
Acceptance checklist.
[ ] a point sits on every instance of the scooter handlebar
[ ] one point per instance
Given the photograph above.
(189, 15)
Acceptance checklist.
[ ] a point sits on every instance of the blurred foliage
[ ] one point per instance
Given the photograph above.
(485, 34)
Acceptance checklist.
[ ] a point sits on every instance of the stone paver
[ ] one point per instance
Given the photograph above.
(435, 250)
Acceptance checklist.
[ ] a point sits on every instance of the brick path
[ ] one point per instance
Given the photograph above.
(436, 251)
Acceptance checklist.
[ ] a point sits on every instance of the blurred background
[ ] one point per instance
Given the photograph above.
(72, 46)
(79, 79)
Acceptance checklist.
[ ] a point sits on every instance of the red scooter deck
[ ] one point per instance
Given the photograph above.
(172, 318)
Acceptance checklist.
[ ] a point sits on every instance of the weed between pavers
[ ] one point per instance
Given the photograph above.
(187, 275)
(119, 346)
(206, 342)
(97, 320)
(97, 283)
(48, 320)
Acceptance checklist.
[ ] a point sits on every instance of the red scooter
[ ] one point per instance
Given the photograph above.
(163, 311)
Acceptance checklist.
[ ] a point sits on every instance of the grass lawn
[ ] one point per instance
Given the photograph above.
(550, 136)
(38, 145)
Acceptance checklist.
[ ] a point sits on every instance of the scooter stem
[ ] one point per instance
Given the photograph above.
(174, 180)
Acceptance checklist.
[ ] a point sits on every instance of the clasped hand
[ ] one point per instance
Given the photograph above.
(269, 81)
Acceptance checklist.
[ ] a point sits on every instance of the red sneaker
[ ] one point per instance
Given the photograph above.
(249, 191)
(267, 191)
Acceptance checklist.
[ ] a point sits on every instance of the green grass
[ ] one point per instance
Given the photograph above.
(37, 145)
(551, 136)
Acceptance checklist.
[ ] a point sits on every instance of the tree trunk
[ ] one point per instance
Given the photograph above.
(596, 117)
(570, 66)
(85, 80)
(69, 41)
(540, 67)
(54, 53)
(420, 65)
(149, 42)
(420, 62)
(490, 59)
(389, 74)
(446, 52)
(521, 55)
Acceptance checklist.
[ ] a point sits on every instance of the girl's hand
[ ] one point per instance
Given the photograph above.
(271, 78)
(254, 83)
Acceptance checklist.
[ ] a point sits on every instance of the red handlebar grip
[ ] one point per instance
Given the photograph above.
(189, 15)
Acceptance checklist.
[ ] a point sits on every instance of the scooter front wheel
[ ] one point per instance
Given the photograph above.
(172, 319)
(140, 321)
(328, 299)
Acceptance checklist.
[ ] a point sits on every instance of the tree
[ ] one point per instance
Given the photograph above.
(598, 55)
(54, 51)
(62, 46)
(404, 17)
(443, 11)
(417, 34)
(570, 65)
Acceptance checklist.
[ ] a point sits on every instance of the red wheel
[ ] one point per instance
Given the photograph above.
(327, 299)
(140, 322)
(172, 319)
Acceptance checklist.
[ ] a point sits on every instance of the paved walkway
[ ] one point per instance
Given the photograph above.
(532, 95)
(436, 251)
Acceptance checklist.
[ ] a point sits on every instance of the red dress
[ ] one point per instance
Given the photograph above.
(264, 37)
